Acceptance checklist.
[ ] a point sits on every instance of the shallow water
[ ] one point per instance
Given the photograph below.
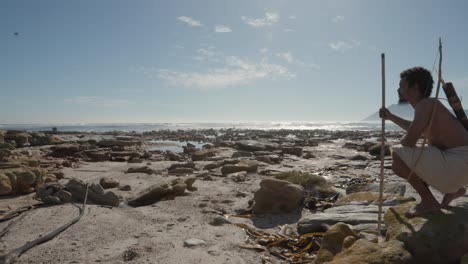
(171, 145)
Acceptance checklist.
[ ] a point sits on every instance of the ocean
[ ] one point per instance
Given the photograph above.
(142, 127)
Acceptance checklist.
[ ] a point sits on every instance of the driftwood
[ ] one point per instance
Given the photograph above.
(15, 253)
(90, 170)
(13, 214)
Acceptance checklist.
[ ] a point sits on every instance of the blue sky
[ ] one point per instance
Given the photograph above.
(199, 61)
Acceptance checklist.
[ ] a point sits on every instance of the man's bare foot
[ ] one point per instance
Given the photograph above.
(423, 208)
(449, 197)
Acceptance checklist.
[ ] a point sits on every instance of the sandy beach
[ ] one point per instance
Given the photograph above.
(223, 192)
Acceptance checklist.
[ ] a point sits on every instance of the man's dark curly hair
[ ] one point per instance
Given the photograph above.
(421, 77)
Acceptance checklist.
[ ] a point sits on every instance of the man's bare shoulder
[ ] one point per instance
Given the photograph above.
(426, 105)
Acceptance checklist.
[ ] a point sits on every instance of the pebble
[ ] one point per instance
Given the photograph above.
(219, 221)
(193, 242)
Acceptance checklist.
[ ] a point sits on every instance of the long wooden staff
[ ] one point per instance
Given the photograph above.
(382, 148)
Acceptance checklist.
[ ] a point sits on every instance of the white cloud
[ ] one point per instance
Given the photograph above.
(222, 29)
(209, 54)
(289, 30)
(292, 17)
(338, 19)
(344, 45)
(190, 21)
(235, 71)
(268, 19)
(287, 56)
(98, 101)
(264, 50)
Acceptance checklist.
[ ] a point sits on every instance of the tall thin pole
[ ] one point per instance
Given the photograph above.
(382, 148)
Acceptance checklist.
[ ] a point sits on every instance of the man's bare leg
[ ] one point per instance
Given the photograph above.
(449, 197)
(428, 203)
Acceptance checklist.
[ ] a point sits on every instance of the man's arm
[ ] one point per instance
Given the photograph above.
(422, 115)
(403, 123)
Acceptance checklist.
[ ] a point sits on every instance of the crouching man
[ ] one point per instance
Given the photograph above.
(443, 163)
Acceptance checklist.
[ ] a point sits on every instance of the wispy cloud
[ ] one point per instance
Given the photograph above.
(338, 19)
(209, 54)
(98, 101)
(268, 19)
(344, 45)
(289, 30)
(292, 17)
(190, 21)
(287, 56)
(222, 29)
(263, 50)
(235, 71)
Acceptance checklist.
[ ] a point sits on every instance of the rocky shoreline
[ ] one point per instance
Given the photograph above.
(148, 204)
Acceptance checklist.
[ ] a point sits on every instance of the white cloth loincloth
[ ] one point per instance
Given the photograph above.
(444, 170)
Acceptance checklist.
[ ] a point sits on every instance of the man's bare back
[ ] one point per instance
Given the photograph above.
(446, 131)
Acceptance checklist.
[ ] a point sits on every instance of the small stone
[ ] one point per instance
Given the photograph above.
(64, 196)
(219, 221)
(182, 219)
(142, 169)
(51, 200)
(238, 176)
(129, 254)
(126, 188)
(194, 242)
(181, 171)
(108, 183)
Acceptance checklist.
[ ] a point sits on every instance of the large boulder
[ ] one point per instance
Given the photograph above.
(332, 242)
(98, 156)
(250, 145)
(373, 198)
(21, 139)
(40, 139)
(203, 154)
(95, 193)
(376, 150)
(440, 237)
(108, 183)
(357, 209)
(166, 189)
(64, 150)
(243, 165)
(277, 196)
(365, 252)
(296, 151)
(5, 184)
(140, 169)
(25, 177)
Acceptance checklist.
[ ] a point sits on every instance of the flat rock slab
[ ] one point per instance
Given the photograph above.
(320, 222)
